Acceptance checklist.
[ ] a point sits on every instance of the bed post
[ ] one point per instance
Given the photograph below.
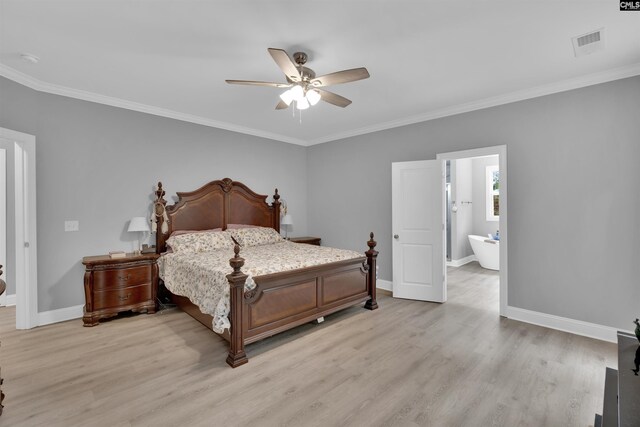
(237, 279)
(276, 211)
(371, 254)
(158, 213)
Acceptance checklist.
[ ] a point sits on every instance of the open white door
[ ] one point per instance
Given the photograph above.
(418, 230)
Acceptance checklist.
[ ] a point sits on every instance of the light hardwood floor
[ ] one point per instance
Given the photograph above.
(407, 364)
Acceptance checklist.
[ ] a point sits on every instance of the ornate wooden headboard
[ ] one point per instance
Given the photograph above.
(214, 205)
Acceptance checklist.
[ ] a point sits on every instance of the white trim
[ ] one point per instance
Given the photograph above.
(462, 261)
(11, 300)
(521, 95)
(385, 285)
(577, 327)
(41, 86)
(500, 150)
(60, 315)
(26, 249)
(3, 219)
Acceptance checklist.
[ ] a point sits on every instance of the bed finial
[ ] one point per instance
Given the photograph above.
(159, 192)
(371, 243)
(237, 261)
(276, 196)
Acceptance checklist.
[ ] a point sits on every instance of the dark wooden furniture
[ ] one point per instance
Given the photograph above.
(307, 239)
(113, 285)
(280, 301)
(3, 287)
(622, 387)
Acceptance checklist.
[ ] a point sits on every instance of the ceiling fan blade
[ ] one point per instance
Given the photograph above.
(339, 77)
(256, 83)
(286, 64)
(282, 105)
(334, 99)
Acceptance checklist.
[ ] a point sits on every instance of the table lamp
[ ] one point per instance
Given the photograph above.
(286, 222)
(138, 224)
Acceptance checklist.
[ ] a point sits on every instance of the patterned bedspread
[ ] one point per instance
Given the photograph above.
(201, 277)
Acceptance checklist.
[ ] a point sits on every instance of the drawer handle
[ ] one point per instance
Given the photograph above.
(124, 278)
(126, 297)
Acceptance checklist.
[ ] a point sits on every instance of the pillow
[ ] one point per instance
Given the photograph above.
(256, 236)
(179, 232)
(200, 242)
(237, 226)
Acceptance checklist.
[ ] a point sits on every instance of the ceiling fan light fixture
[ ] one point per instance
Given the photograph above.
(313, 96)
(302, 104)
(298, 93)
(287, 97)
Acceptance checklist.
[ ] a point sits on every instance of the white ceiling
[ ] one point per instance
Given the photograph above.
(426, 58)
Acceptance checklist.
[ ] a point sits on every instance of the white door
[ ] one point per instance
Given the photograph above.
(3, 220)
(418, 230)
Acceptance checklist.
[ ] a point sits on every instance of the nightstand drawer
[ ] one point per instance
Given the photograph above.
(121, 297)
(122, 277)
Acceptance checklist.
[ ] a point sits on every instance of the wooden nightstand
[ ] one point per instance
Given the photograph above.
(113, 285)
(307, 239)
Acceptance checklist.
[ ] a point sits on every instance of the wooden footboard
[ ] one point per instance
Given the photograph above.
(283, 301)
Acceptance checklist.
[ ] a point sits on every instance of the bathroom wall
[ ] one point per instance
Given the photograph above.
(462, 220)
(481, 226)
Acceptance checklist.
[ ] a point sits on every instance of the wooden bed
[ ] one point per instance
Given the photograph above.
(280, 301)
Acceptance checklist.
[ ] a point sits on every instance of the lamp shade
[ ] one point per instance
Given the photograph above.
(302, 104)
(287, 97)
(313, 96)
(138, 223)
(286, 220)
(297, 93)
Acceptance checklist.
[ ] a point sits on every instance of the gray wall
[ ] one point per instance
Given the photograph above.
(99, 164)
(574, 233)
(481, 226)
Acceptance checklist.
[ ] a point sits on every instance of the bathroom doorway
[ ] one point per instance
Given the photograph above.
(475, 194)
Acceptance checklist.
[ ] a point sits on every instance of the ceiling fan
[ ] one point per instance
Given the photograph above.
(304, 88)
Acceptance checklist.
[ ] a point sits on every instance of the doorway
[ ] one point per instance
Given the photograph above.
(21, 227)
(419, 205)
(462, 204)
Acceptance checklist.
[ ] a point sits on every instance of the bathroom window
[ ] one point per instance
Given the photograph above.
(493, 193)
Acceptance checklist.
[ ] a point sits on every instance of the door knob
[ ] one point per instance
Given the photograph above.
(395, 236)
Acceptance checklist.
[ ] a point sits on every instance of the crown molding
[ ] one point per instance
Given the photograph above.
(562, 86)
(41, 86)
(521, 95)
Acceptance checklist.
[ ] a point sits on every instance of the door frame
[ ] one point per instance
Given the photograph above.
(3, 219)
(26, 248)
(501, 151)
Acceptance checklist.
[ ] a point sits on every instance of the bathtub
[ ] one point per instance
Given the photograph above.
(487, 251)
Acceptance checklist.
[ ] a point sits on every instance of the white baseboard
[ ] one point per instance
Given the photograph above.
(11, 300)
(462, 261)
(578, 327)
(385, 285)
(60, 315)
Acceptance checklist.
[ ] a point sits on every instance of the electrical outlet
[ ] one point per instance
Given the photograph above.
(72, 225)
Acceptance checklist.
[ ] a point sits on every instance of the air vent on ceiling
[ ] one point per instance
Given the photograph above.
(588, 43)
